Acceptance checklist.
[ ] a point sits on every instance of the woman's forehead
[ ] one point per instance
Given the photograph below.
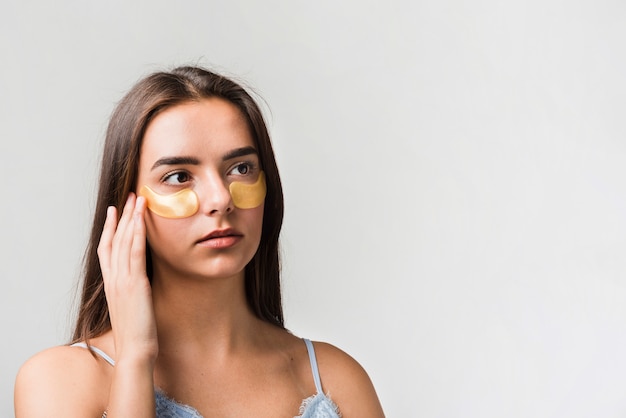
(209, 127)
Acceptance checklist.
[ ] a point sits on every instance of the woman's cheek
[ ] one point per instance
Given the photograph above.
(162, 232)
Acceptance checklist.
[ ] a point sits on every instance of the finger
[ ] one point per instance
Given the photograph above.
(138, 250)
(122, 240)
(125, 217)
(105, 243)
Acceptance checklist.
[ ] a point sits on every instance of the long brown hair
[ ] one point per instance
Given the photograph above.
(118, 176)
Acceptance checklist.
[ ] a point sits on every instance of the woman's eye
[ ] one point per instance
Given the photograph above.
(177, 178)
(241, 169)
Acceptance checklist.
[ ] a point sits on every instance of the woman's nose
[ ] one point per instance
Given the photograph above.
(215, 197)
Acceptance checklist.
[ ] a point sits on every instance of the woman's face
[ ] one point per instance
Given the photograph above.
(203, 146)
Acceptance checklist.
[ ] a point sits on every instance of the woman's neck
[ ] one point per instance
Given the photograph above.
(209, 314)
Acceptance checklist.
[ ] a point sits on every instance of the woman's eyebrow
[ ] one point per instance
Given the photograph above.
(175, 161)
(183, 160)
(240, 152)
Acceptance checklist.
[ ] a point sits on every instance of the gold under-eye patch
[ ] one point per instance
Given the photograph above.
(248, 196)
(185, 203)
(181, 204)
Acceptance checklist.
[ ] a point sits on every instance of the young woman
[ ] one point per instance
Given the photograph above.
(181, 311)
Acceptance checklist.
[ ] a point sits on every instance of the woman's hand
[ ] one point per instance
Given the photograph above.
(122, 254)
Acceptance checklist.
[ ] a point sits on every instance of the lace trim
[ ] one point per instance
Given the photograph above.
(319, 404)
(168, 407)
(329, 407)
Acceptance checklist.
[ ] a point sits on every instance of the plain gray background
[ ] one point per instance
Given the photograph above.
(454, 177)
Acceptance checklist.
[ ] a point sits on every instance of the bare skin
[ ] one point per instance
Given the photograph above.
(190, 333)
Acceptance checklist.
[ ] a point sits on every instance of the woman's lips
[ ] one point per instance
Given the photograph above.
(223, 238)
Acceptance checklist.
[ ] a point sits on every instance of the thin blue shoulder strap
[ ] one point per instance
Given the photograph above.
(313, 360)
(99, 352)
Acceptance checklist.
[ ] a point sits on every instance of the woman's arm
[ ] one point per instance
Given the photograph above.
(132, 389)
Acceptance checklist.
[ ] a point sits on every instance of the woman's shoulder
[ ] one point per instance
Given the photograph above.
(62, 381)
(347, 382)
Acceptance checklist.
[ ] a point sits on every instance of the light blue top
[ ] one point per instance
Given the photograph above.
(315, 406)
